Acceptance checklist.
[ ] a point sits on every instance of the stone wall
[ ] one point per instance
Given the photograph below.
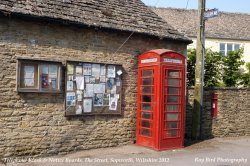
(233, 113)
(34, 123)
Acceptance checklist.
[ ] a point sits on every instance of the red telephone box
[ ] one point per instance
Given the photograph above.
(161, 99)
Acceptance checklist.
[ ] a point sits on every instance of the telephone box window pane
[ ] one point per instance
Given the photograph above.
(146, 132)
(173, 91)
(147, 81)
(173, 73)
(172, 133)
(172, 99)
(146, 73)
(173, 82)
(145, 123)
(172, 107)
(146, 107)
(146, 115)
(147, 89)
(172, 125)
(172, 116)
(146, 98)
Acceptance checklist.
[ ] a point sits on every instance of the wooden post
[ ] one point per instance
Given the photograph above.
(199, 74)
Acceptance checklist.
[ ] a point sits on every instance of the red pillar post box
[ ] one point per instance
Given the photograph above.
(161, 100)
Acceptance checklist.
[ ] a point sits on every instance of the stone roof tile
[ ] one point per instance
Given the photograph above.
(125, 15)
(225, 26)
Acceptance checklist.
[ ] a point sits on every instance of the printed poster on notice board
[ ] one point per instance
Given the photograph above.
(96, 69)
(87, 69)
(111, 71)
(70, 69)
(71, 97)
(87, 105)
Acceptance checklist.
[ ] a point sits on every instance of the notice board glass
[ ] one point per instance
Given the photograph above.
(92, 88)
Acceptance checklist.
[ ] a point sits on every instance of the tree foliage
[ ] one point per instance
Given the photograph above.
(212, 67)
(191, 60)
(231, 68)
(246, 76)
(219, 70)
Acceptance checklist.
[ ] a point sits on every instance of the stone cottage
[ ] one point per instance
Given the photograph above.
(41, 36)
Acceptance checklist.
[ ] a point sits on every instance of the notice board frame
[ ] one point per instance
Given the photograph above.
(96, 110)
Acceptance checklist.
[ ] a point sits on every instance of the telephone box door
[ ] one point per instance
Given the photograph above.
(146, 116)
(172, 116)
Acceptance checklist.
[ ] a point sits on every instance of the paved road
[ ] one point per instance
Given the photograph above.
(214, 152)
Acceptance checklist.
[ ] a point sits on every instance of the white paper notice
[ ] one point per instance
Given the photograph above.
(89, 91)
(29, 72)
(70, 69)
(53, 71)
(118, 82)
(80, 82)
(113, 102)
(87, 69)
(79, 95)
(86, 78)
(87, 105)
(29, 76)
(99, 88)
(70, 85)
(78, 110)
(98, 100)
(79, 70)
(102, 79)
(103, 70)
(71, 98)
(113, 90)
(29, 82)
(45, 69)
(96, 69)
(111, 71)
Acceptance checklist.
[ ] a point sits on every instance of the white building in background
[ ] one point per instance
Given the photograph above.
(226, 32)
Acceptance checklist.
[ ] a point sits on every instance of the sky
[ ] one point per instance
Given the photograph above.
(241, 6)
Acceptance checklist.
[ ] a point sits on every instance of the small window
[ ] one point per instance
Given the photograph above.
(223, 48)
(38, 76)
(236, 47)
(229, 47)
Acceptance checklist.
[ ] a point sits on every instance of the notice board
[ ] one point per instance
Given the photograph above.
(92, 88)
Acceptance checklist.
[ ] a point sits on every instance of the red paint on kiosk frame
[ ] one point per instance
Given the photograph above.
(161, 99)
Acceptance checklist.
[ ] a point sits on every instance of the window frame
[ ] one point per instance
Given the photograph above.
(225, 51)
(39, 63)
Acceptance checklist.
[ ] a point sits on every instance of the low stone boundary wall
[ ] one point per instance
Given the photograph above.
(233, 113)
